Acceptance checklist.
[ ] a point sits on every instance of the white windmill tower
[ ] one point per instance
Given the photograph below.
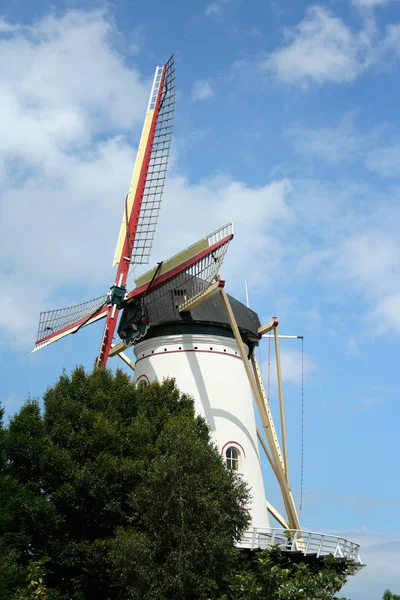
(182, 324)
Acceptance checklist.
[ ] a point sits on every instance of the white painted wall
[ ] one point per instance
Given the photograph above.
(209, 368)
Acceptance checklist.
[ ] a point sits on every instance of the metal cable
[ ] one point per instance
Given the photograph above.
(269, 370)
(302, 427)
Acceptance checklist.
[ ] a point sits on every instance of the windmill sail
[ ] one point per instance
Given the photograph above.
(56, 324)
(139, 222)
(198, 264)
(162, 290)
(143, 202)
(192, 277)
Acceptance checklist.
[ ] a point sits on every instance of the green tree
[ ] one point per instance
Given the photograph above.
(389, 596)
(274, 575)
(123, 491)
(12, 573)
(35, 587)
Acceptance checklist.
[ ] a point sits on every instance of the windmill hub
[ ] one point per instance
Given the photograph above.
(117, 295)
(134, 323)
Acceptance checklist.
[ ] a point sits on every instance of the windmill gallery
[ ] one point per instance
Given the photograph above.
(181, 323)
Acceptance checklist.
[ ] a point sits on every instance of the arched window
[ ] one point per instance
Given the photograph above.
(232, 458)
(142, 380)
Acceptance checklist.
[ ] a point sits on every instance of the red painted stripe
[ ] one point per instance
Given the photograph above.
(69, 328)
(168, 275)
(233, 442)
(180, 351)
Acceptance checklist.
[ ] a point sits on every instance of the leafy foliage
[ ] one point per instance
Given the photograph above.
(35, 588)
(121, 488)
(275, 576)
(389, 596)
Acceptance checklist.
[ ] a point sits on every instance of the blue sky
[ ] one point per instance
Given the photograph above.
(287, 124)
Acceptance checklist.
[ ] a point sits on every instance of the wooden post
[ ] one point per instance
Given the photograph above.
(265, 415)
(281, 403)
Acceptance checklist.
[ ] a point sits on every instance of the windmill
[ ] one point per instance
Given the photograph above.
(182, 323)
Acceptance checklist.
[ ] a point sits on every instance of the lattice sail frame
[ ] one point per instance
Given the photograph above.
(157, 169)
(57, 323)
(200, 263)
(200, 273)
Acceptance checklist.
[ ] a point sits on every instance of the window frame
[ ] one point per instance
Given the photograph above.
(230, 460)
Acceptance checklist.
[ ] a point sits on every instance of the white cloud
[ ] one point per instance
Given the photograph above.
(215, 8)
(65, 168)
(321, 48)
(378, 150)
(371, 3)
(221, 199)
(380, 552)
(6, 27)
(11, 404)
(369, 402)
(294, 366)
(391, 42)
(352, 346)
(386, 314)
(333, 144)
(202, 90)
(367, 503)
(65, 106)
(369, 261)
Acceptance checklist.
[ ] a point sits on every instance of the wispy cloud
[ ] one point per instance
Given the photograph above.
(215, 8)
(12, 403)
(367, 503)
(371, 3)
(378, 150)
(380, 552)
(367, 403)
(294, 365)
(202, 90)
(352, 346)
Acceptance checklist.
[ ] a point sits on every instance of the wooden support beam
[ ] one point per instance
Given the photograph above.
(267, 421)
(281, 403)
(118, 348)
(127, 360)
(266, 328)
(201, 296)
(265, 415)
(277, 515)
(265, 448)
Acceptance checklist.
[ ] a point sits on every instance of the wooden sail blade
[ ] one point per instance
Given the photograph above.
(186, 256)
(199, 264)
(185, 276)
(56, 324)
(144, 198)
(145, 193)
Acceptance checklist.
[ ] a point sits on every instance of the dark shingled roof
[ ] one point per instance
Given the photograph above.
(164, 316)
